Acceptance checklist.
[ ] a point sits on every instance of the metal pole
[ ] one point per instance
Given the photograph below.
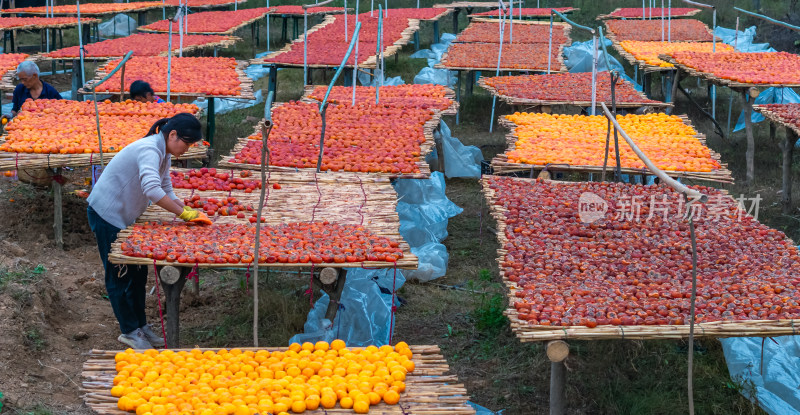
(80, 43)
(662, 20)
(594, 73)
(669, 21)
(355, 61)
(499, 58)
(305, 47)
(268, 27)
(345, 20)
(379, 53)
(180, 29)
(169, 60)
(550, 44)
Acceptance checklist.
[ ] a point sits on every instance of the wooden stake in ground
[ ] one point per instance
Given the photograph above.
(266, 127)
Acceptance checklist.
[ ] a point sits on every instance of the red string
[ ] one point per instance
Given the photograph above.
(247, 277)
(360, 208)
(394, 308)
(160, 310)
(310, 290)
(319, 197)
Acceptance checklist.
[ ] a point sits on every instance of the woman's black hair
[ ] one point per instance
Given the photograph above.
(140, 88)
(186, 125)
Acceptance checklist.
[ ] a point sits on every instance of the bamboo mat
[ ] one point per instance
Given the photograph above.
(223, 43)
(527, 332)
(14, 161)
(720, 81)
(340, 11)
(501, 164)
(512, 100)
(429, 389)
(439, 16)
(557, 67)
(613, 37)
(644, 66)
(470, 5)
(245, 82)
(229, 32)
(776, 118)
(617, 10)
(565, 27)
(449, 94)
(516, 13)
(423, 167)
(51, 26)
(43, 12)
(369, 63)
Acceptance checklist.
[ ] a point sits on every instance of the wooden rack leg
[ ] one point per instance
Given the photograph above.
(748, 126)
(470, 83)
(788, 150)
(57, 211)
(332, 281)
(455, 19)
(458, 93)
(172, 281)
(436, 37)
(557, 352)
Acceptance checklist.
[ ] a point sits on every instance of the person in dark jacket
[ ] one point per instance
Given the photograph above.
(30, 87)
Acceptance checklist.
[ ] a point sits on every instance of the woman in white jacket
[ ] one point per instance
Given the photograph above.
(135, 178)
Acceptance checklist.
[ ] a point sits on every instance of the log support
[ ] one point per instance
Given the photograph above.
(557, 352)
(331, 281)
(172, 282)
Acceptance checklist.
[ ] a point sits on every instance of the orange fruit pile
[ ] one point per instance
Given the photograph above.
(749, 68)
(304, 377)
(526, 56)
(206, 76)
(568, 87)
(142, 44)
(649, 51)
(211, 22)
(89, 8)
(10, 61)
(15, 22)
(365, 138)
(40, 127)
(579, 140)
(683, 30)
(489, 32)
(427, 96)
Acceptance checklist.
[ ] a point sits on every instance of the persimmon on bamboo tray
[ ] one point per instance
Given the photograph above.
(203, 76)
(327, 44)
(216, 22)
(599, 260)
(378, 139)
(424, 13)
(290, 10)
(89, 9)
(39, 137)
(471, 4)
(740, 69)
(436, 98)
(516, 57)
(684, 30)
(654, 13)
(527, 12)
(142, 44)
(28, 23)
(488, 31)
(8, 68)
(426, 388)
(232, 196)
(565, 89)
(645, 54)
(577, 142)
(787, 115)
(201, 4)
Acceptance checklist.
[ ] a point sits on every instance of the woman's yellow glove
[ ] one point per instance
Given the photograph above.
(188, 214)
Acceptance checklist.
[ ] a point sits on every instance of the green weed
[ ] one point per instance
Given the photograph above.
(22, 276)
(35, 339)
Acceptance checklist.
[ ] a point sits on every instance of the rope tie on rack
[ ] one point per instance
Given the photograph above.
(310, 291)
(160, 310)
(319, 197)
(194, 274)
(16, 161)
(364, 202)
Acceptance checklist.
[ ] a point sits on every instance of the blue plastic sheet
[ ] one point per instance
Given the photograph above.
(578, 58)
(768, 96)
(743, 41)
(459, 160)
(430, 75)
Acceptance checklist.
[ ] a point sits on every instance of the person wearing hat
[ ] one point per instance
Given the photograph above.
(135, 178)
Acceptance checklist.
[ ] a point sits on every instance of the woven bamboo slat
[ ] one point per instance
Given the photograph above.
(312, 13)
(14, 161)
(527, 332)
(502, 165)
(776, 118)
(210, 6)
(617, 10)
(223, 43)
(429, 389)
(646, 67)
(245, 82)
(230, 31)
(449, 94)
(422, 165)
(511, 100)
(613, 37)
(563, 10)
(557, 67)
(566, 28)
(720, 81)
(470, 5)
(369, 63)
(50, 26)
(42, 11)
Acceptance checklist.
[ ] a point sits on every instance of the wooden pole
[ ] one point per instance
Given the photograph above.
(57, 211)
(172, 295)
(788, 150)
(266, 127)
(748, 97)
(557, 351)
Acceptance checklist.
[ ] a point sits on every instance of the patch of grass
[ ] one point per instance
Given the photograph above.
(34, 339)
(38, 409)
(22, 276)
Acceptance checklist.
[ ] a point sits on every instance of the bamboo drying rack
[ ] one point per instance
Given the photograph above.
(44, 12)
(720, 81)
(423, 167)
(528, 332)
(644, 66)
(50, 26)
(438, 16)
(228, 32)
(501, 164)
(617, 10)
(449, 94)
(613, 37)
(565, 27)
(245, 82)
(558, 65)
(369, 63)
(516, 13)
(512, 100)
(310, 13)
(222, 43)
(469, 5)
(777, 118)
(211, 6)
(429, 389)
(15, 161)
